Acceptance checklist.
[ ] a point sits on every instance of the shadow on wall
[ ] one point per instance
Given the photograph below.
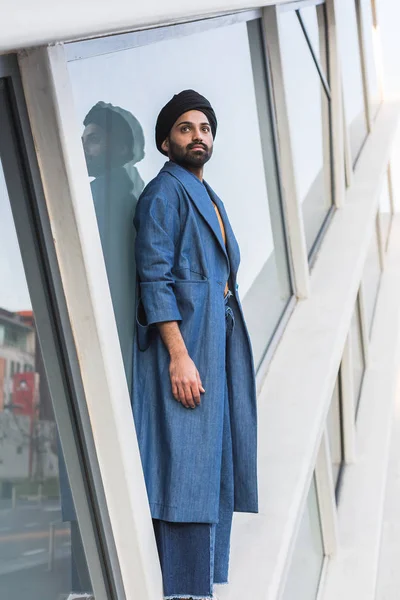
(113, 142)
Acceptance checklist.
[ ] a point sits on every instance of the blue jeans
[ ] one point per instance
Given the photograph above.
(194, 556)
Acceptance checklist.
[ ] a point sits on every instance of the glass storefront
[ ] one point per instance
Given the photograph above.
(129, 88)
(303, 47)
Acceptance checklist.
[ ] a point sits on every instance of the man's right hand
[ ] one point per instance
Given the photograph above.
(185, 380)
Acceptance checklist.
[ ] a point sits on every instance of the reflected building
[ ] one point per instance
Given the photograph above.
(17, 351)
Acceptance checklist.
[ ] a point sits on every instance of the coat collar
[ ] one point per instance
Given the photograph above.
(201, 195)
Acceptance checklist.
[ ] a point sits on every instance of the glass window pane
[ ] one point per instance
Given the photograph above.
(371, 278)
(334, 426)
(357, 353)
(349, 50)
(264, 282)
(308, 113)
(35, 502)
(372, 75)
(308, 556)
(385, 211)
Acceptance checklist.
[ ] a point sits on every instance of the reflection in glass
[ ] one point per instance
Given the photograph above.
(349, 50)
(357, 353)
(371, 279)
(334, 426)
(309, 114)
(374, 92)
(141, 81)
(41, 555)
(308, 556)
(385, 211)
(113, 142)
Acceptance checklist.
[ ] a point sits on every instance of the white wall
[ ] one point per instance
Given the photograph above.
(27, 23)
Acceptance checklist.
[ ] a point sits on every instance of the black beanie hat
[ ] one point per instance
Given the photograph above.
(179, 104)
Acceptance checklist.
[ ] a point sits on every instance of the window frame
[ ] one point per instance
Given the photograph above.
(384, 243)
(134, 39)
(338, 482)
(305, 262)
(362, 33)
(369, 326)
(43, 279)
(351, 162)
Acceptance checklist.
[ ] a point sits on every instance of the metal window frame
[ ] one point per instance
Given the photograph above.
(269, 134)
(73, 223)
(291, 203)
(325, 495)
(304, 261)
(368, 330)
(392, 202)
(360, 43)
(362, 34)
(348, 403)
(364, 66)
(299, 4)
(51, 318)
(384, 243)
(365, 345)
(124, 41)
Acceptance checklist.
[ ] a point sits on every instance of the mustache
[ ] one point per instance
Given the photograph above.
(190, 146)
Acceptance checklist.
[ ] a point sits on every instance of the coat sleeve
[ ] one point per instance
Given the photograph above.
(157, 224)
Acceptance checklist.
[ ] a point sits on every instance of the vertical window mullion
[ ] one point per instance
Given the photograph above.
(341, 154)
(348, 403)
(364, 66)
(292, 208)
(330, 165)
(326, 498)
(364, 323)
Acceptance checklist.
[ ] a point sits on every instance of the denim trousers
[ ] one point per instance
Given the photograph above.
(195, 556)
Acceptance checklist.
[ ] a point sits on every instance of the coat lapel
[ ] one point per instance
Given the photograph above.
(231, 243)
(200, 198)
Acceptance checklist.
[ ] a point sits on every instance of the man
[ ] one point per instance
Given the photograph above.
(194, 397)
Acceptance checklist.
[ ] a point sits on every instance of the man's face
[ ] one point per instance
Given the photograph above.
(190, 141)
(94, 142)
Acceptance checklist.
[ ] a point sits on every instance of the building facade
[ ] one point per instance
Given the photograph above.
(305, 162)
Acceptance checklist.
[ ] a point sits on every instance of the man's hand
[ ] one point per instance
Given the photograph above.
(185, 380)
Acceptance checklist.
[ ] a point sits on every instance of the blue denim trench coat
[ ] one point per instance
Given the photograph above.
(182, 267)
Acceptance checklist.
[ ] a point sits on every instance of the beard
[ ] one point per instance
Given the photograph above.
(186, 157)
